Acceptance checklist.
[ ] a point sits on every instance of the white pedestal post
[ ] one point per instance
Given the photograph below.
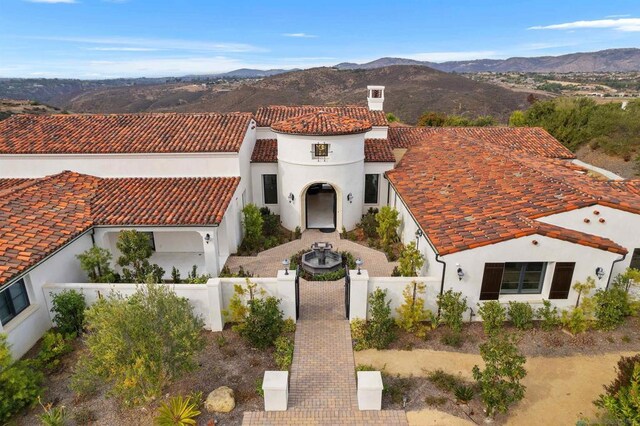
(287, 293)
(369, 390)
(275, 386)
(358, 300)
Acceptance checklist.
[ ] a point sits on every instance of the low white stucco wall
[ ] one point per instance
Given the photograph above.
(26, 329)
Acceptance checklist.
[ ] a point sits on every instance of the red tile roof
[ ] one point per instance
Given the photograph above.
(321, 123)
(163, 201)
(39, 216)
(267, 116)
(265, 151)
(630, 185)
(375, 151)
(533, 140)
(465, 193)
(378, 151)
(10, 183)
(123, 133)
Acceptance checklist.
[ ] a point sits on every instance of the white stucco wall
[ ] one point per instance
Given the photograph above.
(617, 225)
(26, 329)
(383, 187)
(297, 170)
(257, 170)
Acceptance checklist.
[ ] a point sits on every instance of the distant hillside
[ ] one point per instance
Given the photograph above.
(9, 107)
(411, 90)
(611, 60)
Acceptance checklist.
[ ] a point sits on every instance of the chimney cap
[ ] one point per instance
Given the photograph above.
(375, 87)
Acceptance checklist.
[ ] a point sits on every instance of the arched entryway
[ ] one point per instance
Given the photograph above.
(320, 207)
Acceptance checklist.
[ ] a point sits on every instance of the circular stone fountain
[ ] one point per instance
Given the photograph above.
(321, 259)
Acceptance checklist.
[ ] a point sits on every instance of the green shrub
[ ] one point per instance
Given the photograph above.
(54, 346)
(411, 313)
(263, 323)
(411, 260)
(289, 326)
(379, 332)
(575, 321)
(138, 345)
(96, 262)
(452, 338)
(271, 222)
(611, 307)
(624, 404)
(443, 380)
(358, 334)
(521, 315)
(452, 306)
(624, 373)
(135, 251)
(365, 367)
(84, 416)
(175, 275)
(284, 352)
(369, 224)
(388, 223)
(258, 387)
(493, 316)
(19, 383)
(194, 278)
(53, 416)
(463, 393)
(178, 411)
(253, 223)
(297, 233)
(548, 316)
(68, 311)
(499, 381)
(238, 310)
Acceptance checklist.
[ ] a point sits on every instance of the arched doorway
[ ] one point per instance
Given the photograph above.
(320, 207)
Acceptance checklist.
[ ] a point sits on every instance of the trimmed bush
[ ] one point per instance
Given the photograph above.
(96, 262)
(611, 307)
(264, 322)
(493, 316)
(521, 315)
(284, 352)
(388, 223)
(411, 260)
(68, 311)
(575, 321)
(54, 346)
(379, 332)
(411, 313)
(253, 222)
(452, 306)
(548, 316)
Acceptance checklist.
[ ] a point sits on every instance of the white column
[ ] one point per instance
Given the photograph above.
(210, 251)
(216, 318)
(287, 293)
(358, 301)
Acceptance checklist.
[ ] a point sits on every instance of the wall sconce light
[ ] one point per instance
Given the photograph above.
(418, 235)
(459, 271)
(350, 197)
(359, 264)
(207, 238)
(291, 197)
(599, 272)
(285, 263)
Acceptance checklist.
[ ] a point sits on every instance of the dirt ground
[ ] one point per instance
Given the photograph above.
(617, 165)
(560, 390)
(534, 342)
(227, 360)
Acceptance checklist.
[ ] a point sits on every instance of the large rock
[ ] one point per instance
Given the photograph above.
(220, 400)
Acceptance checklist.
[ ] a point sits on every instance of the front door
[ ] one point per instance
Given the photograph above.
(321, 207)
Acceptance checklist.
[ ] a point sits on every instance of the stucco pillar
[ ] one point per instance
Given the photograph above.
(358, 300)
(216, 318)
(287, 293)
(210, 251)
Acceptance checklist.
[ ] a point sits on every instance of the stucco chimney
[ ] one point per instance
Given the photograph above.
(375, 97)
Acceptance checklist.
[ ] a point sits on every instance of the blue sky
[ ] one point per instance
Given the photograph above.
(132, 38)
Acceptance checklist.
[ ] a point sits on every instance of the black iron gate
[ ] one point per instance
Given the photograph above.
(347, 292)
(297, 284)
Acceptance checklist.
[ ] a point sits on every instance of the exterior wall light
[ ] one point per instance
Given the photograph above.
(599, 272)
(350, 197)
(418, 235)
(359, 264)
(207, 238)
(459, 271)
(285, 263)
(291, 197)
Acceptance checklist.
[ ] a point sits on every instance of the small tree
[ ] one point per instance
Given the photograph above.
(253, 223)
(452, 306)
(583, 289)
(96, 262)
(622, 400)
(493, 316)
(135, 248)
(140, 344)
(517, 119)
(263, 323)
(499, 381)
(68, 309)
(411, 260)
(379, 332)
(411, 313)
(388, 223)
(611, 307)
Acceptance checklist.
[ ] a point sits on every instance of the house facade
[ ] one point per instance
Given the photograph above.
(499, 213)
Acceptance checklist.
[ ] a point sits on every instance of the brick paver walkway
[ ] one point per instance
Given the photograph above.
(267, 263)
(322, 386)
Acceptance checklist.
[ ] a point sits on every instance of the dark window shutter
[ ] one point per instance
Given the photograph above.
(561, 283)
(491, 281)
(635, 259)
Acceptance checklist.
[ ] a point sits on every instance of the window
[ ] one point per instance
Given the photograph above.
(152, 241)
(320, 150)
(13, 300)
(522, 277)
(270, 189)
(635, 259)
(371, 189)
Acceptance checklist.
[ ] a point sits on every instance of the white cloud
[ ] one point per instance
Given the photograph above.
(617, 16)
(450, 56)
(299, 35)
(621, 24)
(52, 1)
